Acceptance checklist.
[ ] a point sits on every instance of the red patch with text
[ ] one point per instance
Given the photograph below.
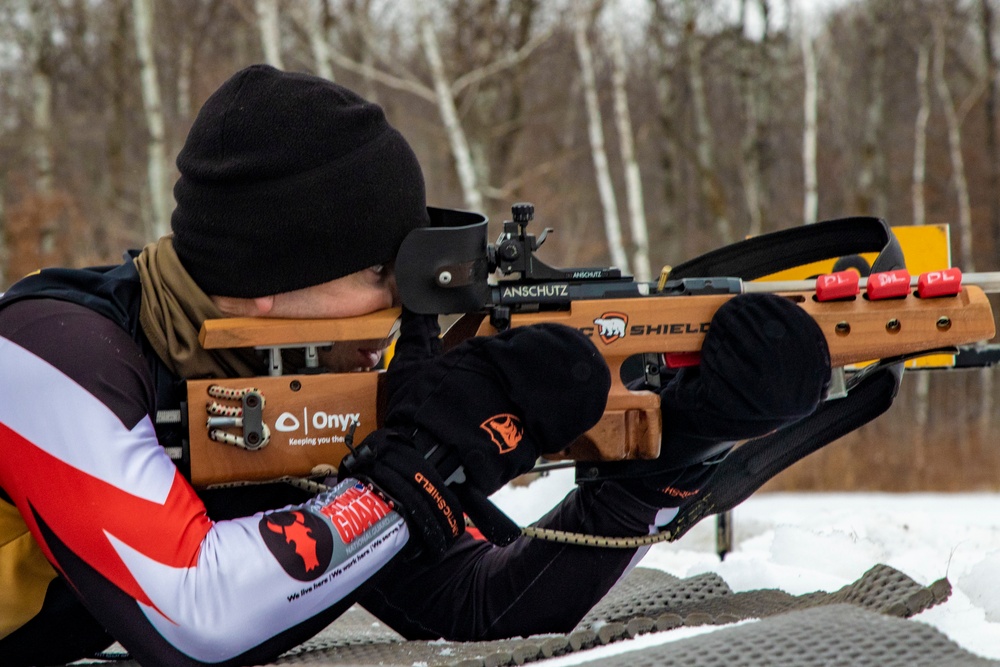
(355, 511)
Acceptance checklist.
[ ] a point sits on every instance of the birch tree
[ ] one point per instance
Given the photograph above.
(442, 91)
(920, 135)
(704, 138)
(319, 31)
(754, 72)
(496, 109)
(921, 398)
(120, 77)
(40, 53)
(449, 113)
(185, 62)
(990, 113)
(158, 221)
(986, 402)
(582, 19)
(871, 195)
(959, 182)
(270, 31)
(662, 29)
(626, 141)
(315, 20)
(810, 105)
(966, 260)
(194, 23)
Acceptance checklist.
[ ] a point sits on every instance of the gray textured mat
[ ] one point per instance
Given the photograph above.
(707, 598)
(859, 624)
(840, 634)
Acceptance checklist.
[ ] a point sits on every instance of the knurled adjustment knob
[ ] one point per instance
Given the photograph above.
(522, 212)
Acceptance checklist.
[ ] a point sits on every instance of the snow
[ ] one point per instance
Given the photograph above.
(804, 542)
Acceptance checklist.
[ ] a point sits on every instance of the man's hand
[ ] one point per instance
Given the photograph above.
(468, 421)
(764, 365)
(498, 402)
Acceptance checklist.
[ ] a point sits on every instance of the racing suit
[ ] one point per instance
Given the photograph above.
(102, 538)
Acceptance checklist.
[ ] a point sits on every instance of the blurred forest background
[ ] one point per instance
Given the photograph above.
(645, 132)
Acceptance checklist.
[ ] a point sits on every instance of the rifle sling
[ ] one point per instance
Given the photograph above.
(776, 251)
(749, 466)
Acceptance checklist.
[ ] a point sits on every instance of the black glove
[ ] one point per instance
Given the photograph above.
(764, 365)
(497, 402)
(414, 486)
(470, 420)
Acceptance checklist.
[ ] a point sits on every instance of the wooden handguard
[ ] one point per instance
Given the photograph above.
(307, 414)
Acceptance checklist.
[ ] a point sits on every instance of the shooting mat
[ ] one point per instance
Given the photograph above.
(863, 623)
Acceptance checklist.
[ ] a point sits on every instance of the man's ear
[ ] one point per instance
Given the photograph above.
(262, 305)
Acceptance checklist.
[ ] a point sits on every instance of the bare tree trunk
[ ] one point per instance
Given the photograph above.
(41, 85)
(42, 121)
(920, 136)
(986, 402)
(754, 72)
(921, 396)
(633, 180)
(959, 182)
(317, 27)
(871, 197)
(605, 189)
(442, 92)
(992, 146)
(810, 105)
(158, 222)
(965, 260)
(660, 29)
(118, 205)
(184, 64)
(708, 179)
(449, 113)
(270, 31)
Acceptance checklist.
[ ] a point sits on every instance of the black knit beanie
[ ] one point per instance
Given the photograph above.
(289, 180)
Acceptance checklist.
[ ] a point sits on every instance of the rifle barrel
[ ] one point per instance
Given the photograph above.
(989, 282)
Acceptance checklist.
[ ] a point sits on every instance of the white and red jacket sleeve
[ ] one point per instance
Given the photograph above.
(80, 459)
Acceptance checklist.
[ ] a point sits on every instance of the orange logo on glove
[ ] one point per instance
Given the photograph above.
(505, 431)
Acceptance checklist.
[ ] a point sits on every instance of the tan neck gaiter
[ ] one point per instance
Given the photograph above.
(172, 312)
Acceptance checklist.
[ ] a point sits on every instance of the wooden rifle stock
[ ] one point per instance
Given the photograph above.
(308, 414)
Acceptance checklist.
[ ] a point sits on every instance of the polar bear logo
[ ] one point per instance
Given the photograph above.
(611, 326)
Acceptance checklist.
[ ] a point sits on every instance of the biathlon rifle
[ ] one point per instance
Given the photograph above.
(294, 422)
